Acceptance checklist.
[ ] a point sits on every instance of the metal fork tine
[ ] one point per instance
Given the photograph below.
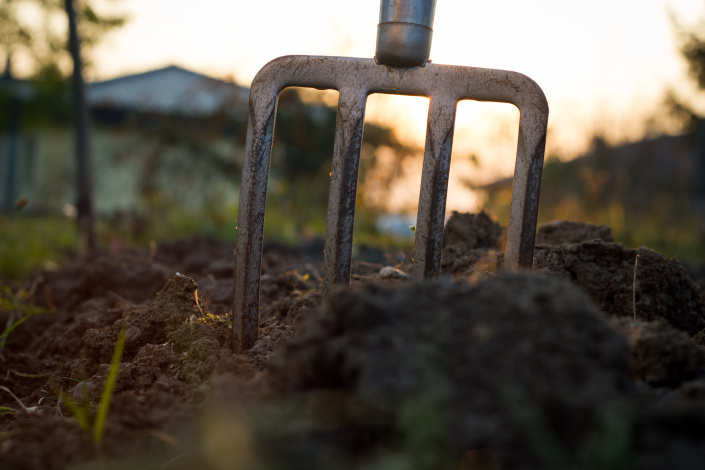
(253, 196)
(526, 188)
(343, 187)
(434, 187)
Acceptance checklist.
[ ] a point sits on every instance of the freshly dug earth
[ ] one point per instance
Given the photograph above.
(586, 255)
(455, 365)
(481, 368)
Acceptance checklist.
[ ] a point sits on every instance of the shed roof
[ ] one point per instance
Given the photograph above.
(170, 90)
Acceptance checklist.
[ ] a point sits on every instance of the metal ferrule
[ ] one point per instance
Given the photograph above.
(404, 32)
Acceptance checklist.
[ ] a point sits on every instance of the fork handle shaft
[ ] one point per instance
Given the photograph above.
(404, 32)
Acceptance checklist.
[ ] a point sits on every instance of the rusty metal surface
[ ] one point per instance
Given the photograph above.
(343, 187)
(355, 79)
(434, 186)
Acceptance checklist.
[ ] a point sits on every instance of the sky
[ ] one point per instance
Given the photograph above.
(603, 65)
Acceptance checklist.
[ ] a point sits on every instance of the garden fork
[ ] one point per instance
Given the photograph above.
(400, 67)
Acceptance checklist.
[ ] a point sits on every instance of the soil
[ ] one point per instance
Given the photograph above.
(480, 369)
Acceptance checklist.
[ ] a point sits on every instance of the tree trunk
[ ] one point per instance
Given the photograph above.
(10, 168)
(84, 173)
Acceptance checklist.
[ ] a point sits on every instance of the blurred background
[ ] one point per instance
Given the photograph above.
(166, 95)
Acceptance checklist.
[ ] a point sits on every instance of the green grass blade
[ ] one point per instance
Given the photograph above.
(104, 406)
(14, 325)
(79, 411)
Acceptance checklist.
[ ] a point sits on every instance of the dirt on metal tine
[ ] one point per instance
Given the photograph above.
(401, 67)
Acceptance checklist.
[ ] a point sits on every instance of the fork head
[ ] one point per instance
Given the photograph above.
(355, 79)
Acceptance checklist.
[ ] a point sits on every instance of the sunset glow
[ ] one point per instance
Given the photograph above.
(603, 67)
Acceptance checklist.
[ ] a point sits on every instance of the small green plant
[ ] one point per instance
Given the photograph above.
(79, 410)
(19, 307)
(82, 411)
(108, 388)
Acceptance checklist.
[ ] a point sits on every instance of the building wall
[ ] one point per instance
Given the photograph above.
(132, 170)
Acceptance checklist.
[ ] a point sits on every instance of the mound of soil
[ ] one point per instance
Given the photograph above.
(566, 231)
(174, 346)
(556, 369)
(471, 242)
(465, 360)
(606, 272)
(662, 355)
(584, 254)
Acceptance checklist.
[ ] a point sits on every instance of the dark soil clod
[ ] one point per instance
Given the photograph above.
(565, 231)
